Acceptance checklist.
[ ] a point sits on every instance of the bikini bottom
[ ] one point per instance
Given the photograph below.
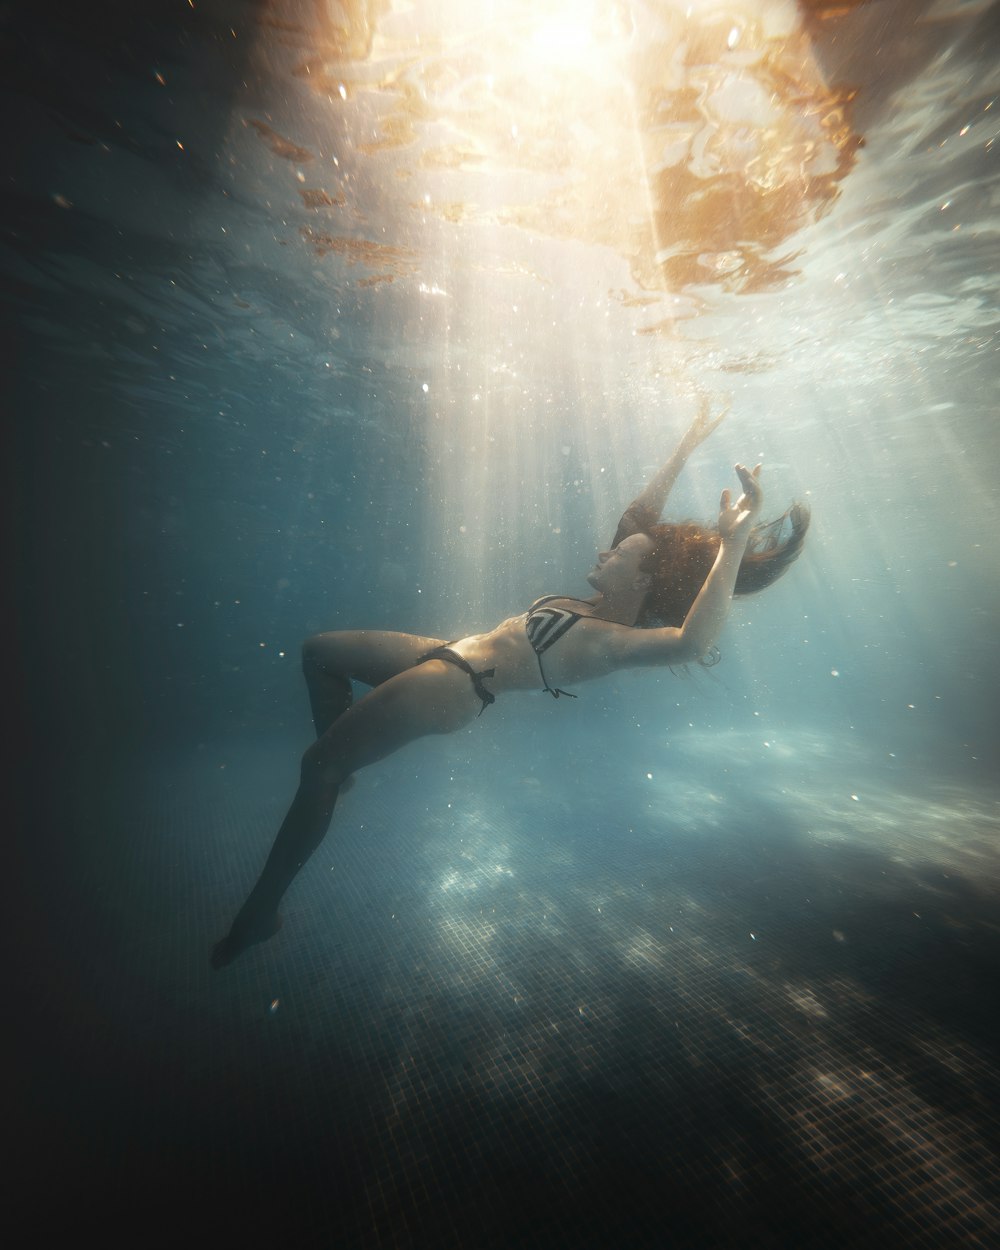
(452, 657)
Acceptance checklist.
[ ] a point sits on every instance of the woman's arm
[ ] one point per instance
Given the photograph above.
(646, 508)
(708, 613)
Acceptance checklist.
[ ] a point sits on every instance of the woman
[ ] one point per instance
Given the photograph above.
(662, 596)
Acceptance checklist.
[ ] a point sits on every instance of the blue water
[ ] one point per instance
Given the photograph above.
(375, 316)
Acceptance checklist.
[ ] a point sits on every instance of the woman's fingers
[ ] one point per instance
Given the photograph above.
(704, 422)
(748, 504)
(750, 478)
(752, 497)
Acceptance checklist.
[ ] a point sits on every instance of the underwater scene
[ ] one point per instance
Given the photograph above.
(375, 370)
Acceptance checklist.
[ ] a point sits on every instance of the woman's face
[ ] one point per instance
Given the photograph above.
(617, 571)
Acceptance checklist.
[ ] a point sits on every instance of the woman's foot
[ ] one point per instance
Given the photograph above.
(244, 934)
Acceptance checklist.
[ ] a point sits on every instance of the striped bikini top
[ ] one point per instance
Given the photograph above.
(545, 626)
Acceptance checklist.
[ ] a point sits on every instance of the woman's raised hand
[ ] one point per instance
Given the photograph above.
(703, 424)
(736, 519)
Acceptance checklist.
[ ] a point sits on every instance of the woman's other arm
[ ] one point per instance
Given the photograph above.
(647, 508)
(708, 613)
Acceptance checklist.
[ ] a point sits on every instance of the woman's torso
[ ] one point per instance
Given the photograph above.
(580, 652)
(574, 650)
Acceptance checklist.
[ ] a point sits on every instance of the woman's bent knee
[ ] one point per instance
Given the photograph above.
(326, 656)
(319, 769)
(316, 650)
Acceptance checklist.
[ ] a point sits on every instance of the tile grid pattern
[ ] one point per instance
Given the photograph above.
(520, 1036)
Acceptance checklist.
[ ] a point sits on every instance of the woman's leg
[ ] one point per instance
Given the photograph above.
(434, 698)
(330, 661)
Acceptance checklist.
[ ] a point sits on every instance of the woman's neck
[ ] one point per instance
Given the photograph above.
(619, 609)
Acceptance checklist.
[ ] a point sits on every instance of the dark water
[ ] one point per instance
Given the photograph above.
(334, 316)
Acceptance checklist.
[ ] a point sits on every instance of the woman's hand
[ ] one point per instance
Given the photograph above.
(703, 425)
(647, 507)
(736, 519)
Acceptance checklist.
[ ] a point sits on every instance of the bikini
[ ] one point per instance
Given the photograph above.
(544, 627)
(452, 657)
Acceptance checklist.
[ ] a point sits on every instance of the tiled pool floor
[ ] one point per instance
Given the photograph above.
(521, 1013)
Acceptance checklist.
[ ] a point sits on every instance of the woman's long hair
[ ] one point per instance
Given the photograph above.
(684, 553)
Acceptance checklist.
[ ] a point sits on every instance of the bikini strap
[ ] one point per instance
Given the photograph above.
(555, 693)
(487, 696)
(452, 657)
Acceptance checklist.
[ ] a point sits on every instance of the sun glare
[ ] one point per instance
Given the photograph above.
(535, 160)
(561, 37)
(565, 39)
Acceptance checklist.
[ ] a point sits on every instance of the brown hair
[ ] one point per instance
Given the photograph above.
(684, 553)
